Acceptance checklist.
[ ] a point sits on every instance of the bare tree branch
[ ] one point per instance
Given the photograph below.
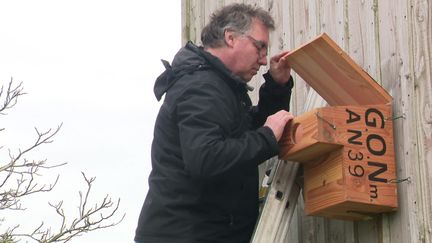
(7, 237)
(18, 178)
(12, 94)
(24, 173)
(88, 219)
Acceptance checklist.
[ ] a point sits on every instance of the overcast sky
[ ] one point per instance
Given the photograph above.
(91, 65)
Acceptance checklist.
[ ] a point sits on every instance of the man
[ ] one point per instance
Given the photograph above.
(209, 139)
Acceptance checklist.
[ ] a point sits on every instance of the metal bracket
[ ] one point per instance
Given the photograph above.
(396, 117)
(408, 179)
(329, 123)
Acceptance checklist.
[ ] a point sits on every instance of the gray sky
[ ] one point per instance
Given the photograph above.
(90, 65)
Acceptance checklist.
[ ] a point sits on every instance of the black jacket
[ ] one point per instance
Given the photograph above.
(208, 142)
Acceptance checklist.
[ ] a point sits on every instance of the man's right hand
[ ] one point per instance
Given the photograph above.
(277, 122)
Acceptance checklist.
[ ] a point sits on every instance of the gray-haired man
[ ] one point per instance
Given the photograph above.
(208, 138)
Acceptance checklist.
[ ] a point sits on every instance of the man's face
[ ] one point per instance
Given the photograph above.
(250, 51)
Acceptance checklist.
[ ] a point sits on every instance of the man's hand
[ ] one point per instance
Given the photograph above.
(277, 122)
(279, 68)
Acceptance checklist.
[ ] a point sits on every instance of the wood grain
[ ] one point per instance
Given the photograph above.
(334, 75)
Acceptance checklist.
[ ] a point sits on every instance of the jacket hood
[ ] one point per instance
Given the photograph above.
(188, 60)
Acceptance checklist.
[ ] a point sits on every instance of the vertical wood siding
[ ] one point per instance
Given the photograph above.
(392, 41)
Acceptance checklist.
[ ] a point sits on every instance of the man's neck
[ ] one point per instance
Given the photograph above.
(222, 53)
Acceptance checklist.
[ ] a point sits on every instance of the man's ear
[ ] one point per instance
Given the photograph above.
(229, 38)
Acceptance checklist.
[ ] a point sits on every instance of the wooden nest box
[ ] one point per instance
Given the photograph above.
(346, 148)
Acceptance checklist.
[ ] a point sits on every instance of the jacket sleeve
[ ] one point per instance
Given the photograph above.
(205, 120)
(273, 97)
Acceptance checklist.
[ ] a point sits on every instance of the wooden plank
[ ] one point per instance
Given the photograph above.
(324, 174)
(257, 80)
(334, 75)
(185, 21)
(228, 2)
(278, 43)
(363, 41)
(369, 231)
(340, 231)
(331, 20)
(422, 62)
(210, 7)
(193, 20)
(396, 50)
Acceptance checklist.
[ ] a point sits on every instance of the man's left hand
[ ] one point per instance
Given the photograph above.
(279, 68)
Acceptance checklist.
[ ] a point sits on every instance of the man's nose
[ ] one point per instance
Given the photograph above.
(262, 60)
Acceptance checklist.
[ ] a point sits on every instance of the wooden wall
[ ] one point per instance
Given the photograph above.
(392, 41)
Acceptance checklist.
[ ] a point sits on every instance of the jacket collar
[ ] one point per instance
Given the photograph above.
(190, 59)
(219, 65)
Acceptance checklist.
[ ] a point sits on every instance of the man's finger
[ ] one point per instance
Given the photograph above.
(277, 57)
